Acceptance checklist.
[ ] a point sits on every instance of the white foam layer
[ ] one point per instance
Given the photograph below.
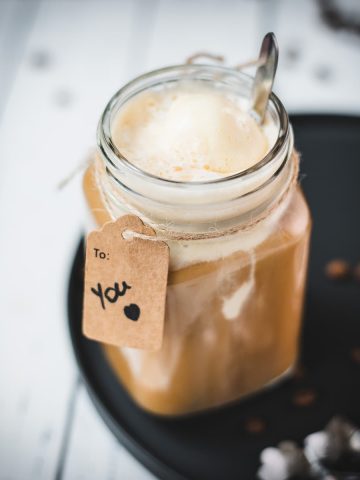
(191, 133)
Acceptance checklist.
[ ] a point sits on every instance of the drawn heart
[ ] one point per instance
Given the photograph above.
(132, 311)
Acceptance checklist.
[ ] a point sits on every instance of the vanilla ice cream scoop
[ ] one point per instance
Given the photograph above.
(189, 133)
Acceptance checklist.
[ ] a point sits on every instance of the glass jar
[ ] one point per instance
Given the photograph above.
(238, 257)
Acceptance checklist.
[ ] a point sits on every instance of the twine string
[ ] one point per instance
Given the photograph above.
(257, 62)
(77, 169)
(164, 233)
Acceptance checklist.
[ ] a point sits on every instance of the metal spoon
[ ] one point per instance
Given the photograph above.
(264, 77)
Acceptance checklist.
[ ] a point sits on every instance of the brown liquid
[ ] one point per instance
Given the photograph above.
(207, 359)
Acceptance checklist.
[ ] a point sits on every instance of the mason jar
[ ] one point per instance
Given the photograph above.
(238, 259)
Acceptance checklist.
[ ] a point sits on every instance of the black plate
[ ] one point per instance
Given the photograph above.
(217, 445)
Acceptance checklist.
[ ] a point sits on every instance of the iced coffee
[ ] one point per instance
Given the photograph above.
(180, 149)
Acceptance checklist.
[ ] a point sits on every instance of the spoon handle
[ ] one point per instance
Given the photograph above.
(265, 74)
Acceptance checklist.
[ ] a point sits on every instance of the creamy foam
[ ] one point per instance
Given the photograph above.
(191, 133)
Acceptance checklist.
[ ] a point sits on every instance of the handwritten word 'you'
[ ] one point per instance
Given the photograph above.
(111, 294)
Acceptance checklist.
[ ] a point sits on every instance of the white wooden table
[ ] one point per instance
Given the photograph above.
(60, 61)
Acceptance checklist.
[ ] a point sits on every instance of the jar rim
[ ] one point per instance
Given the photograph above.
(118, 161)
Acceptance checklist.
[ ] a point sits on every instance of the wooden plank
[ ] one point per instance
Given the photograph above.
(308, 78)
(183, 28)
(16, 19)
(94, 453)
(319, 68)
(48, 127)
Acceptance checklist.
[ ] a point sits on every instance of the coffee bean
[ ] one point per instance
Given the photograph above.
(255, 425)
(304, 398)
(337, 269)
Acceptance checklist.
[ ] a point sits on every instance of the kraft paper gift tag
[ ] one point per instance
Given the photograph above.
(125, 285)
